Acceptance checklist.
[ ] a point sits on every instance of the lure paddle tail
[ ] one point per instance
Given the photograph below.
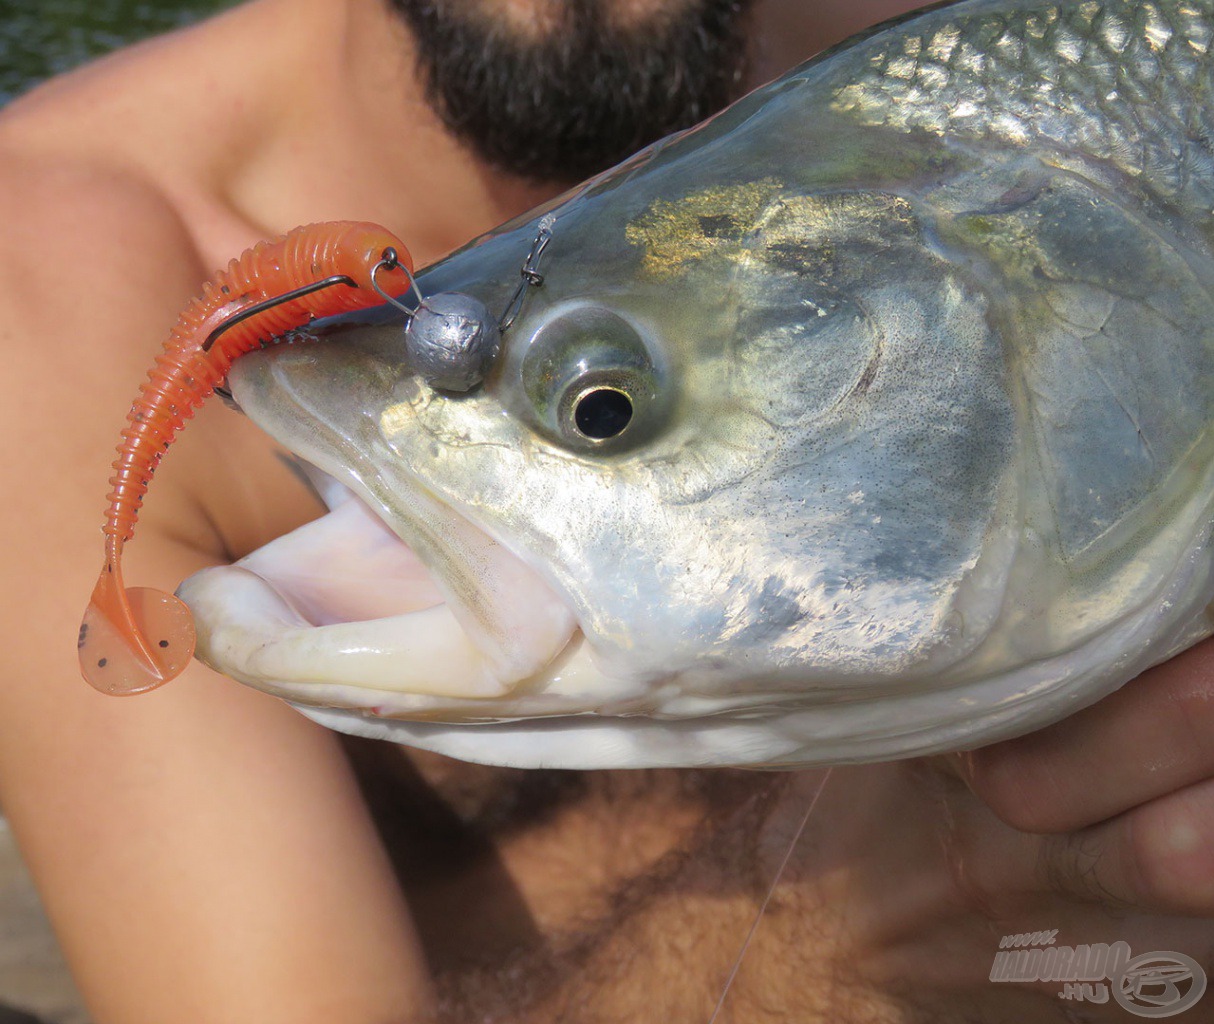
(133, 640)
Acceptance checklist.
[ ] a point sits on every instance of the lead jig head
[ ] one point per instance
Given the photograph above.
(450, 338)
(451, 341)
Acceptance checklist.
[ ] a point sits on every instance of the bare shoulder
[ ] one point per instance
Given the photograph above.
(112, 220)
(94, 263)
(81, 225)
(108, 177)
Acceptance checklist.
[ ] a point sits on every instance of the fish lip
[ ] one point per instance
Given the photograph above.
(505, 641)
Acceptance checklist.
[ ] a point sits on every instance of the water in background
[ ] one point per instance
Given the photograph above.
(40, 38)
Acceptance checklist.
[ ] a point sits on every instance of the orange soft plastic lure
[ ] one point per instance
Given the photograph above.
(133, 640)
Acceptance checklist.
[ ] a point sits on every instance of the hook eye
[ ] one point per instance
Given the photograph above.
(390, 260)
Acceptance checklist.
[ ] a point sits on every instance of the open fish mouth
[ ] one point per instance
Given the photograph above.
(392, 588)
(345, 597)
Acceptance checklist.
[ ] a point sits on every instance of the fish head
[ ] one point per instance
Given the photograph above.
(802, 443)
(694, 482)
(719, 427)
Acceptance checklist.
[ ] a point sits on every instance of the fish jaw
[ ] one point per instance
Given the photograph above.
(411, 600)
(344, 598)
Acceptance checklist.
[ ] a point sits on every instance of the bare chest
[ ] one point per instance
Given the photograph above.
(546, 897)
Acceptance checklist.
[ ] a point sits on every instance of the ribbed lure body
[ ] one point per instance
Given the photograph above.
(134, 640)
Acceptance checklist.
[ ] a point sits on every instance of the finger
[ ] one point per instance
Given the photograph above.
(1150, 738)
(1158, 857)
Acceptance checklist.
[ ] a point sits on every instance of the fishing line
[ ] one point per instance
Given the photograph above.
(754, 926)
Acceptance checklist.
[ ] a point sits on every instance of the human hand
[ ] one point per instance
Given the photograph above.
(1122, 792)
(1099, 828)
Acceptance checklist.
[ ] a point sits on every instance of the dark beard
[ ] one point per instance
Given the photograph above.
(583, 96)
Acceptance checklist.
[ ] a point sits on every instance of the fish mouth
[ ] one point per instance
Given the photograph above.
(345, 598)
(393, 603)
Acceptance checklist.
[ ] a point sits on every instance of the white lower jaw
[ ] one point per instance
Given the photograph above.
(264, 638)
(342, 603)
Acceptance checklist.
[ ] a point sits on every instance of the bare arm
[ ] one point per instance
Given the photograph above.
(202, 850)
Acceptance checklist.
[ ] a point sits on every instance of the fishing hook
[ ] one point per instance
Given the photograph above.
(277, 300)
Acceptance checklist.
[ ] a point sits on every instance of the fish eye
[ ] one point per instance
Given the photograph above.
(602, 413)
(591, 382)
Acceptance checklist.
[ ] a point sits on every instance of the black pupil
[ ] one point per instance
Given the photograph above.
(602, 413)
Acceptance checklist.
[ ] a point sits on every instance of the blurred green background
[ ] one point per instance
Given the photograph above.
(40, 38)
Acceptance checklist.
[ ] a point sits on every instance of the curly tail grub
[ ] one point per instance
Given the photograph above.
(133, 640)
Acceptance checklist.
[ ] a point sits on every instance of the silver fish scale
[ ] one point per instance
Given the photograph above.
(1113, 80)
